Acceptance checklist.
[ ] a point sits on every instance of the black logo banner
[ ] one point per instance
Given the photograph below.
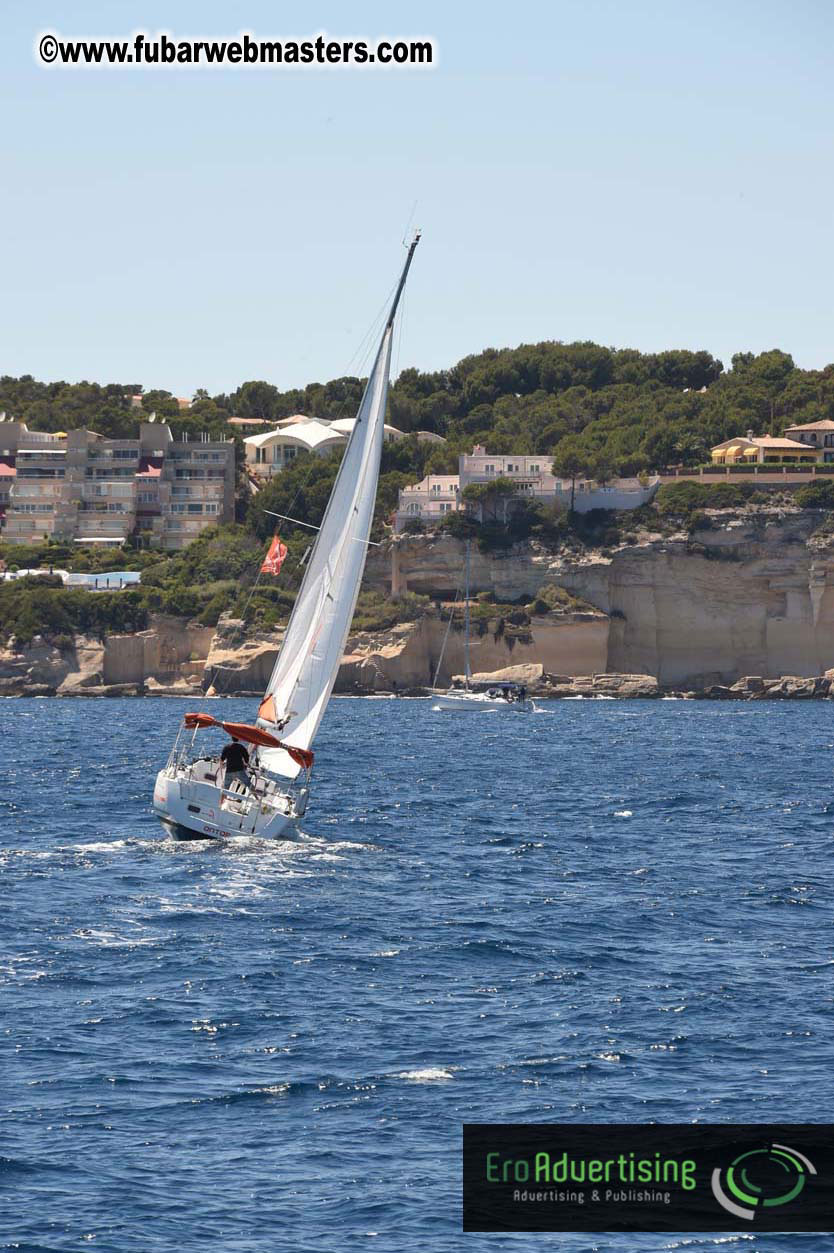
(648, 1177)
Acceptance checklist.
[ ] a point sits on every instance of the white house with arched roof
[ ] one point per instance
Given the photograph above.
(269, 452)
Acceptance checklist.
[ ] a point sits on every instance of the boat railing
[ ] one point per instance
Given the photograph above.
(210, 770)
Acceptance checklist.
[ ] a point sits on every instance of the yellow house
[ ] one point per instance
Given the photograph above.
(762, 449)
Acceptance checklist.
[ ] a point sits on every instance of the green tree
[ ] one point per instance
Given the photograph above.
(162, 403)
(257, 399)
(491, 499)
(300, 491)
(570, 461)
(602, 467)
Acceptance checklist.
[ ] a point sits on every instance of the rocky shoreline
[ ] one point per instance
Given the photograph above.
(541, 687)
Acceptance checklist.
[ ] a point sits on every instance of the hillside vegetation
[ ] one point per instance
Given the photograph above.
(589, 408)
(639, 410)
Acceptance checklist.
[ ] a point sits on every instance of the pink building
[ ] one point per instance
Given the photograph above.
(428, 501)
(533, 476)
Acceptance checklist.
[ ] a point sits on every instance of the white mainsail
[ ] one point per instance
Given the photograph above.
(300, 686)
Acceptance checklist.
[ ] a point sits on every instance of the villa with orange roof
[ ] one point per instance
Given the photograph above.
(763, 449)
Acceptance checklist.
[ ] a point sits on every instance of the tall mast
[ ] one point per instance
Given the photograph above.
(305, 669)
(467, 667)
(415, 241)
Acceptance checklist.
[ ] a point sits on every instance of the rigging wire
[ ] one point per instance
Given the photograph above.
(448, 625)
(401, 331)
(240, 630)
(407, 231)
(367, 343)
(294, 567)
(364, 348)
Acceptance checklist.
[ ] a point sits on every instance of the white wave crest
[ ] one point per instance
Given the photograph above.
(431, 1074)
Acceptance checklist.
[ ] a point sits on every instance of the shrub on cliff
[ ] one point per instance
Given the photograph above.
(376, 613)
(816, 495)
(524, 518)
(729, 495)
(265, 605)
(551, 598)
(685, 496)
(698, 521)
(224, 552)
(42, 606)
(552, 524)
(67, 556)
(492, 537)
(460, 525)
(681, 498)
(210, 613)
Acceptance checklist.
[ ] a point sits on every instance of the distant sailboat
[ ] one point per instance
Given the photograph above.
(190, 796)
(485, 695)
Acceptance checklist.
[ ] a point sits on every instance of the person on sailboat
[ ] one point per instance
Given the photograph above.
(236, 759)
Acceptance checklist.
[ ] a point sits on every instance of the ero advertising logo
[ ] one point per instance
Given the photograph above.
(768, 1177)
(678, 1177)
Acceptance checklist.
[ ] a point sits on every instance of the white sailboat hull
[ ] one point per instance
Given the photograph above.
(489, 698)
(476, 702)
(191, 807)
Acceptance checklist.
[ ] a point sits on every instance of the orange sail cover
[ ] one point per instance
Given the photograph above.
(274, 559)
(251, 735)
(267, 709)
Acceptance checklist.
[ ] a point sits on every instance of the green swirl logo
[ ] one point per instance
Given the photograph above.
(761, 1178)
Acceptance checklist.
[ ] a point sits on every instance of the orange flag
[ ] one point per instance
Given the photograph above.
(274, 559)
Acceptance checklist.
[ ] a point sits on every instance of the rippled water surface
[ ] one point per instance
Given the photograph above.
(605, 911)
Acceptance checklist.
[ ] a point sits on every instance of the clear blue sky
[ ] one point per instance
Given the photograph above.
(653, 175)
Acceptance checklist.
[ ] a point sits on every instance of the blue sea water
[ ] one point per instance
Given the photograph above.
(605, 911)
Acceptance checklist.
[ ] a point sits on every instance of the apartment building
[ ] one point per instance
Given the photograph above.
(93, 490)
(33, 465)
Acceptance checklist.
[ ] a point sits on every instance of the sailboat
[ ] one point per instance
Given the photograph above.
(495, 695)
(190, 797)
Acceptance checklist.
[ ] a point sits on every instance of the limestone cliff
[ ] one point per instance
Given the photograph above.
(170, 655)
(750, 595)
(408, 656)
